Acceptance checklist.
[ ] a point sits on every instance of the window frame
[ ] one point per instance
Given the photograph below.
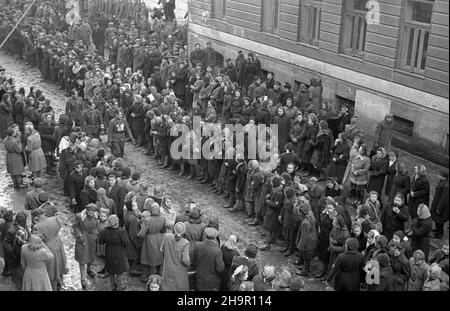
(424, 30)
(275, 27)
(306, 31)
(223, 13)
(348, 42)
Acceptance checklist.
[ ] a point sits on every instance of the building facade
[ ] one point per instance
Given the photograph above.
(379, 56)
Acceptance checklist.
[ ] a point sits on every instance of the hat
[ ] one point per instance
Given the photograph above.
(352, 244)
(179, 228)
(251, 251)
(195, 213)
(38, 182)
(211, 233)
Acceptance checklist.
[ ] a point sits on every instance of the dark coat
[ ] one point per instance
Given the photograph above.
(421, 189)
(76, 185)
(284, 131)
(439, 206)
(227, 256)
(348, 271)
(115, 255)
(391, 172)
(273, 208)
(209, 266)
(87, 196)
(297, 130)
(322, 146)
(339, 160)
(400, 184)
(308, 137)
(14, 163)
(253, 269)
(48, 143)
(401, 271)
(117, 193)
(421, 229)
(378, 173)
(392, 221)
(241, 179)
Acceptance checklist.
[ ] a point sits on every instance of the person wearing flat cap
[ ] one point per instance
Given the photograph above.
(384, 132)
(247, 259)
(208, 263)
(175, 250)
(115, 241)
(440, 205)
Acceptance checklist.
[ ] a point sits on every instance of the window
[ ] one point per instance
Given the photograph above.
(354, 27)
(270, 15)
(403, 126)
(415, 35)
(341, 101)
(219, 8)
(310, 21)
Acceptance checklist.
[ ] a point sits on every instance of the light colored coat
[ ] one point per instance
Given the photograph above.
(176, 263)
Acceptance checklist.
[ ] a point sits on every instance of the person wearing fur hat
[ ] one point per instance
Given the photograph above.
(48, 228)
(115, 241)
(85, 230)
(35, 256)
(421, 230)
(153, 227)
(347, 271)
(175, 250)
(307, 239)
(207, 261)
(287, 221)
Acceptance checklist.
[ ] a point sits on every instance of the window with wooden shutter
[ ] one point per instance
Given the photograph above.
(310, 21)
(353, 32)
(270, 15)
(416, 25)
(219, 8)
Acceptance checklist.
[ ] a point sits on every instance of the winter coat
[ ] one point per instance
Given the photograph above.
(35, 263)
(308, 138)
(314, 196)
(392, 221)
(14, 162)
(421, 189)
(284, 129)
(87, 196)
(348, 271)
(307, 234)
(439, 206)
(401, 272)
(208, 263)
(322, 146)
(36, 158)
(86, 234)
(152, 234)
(377, 174)
(253, 269)
(6, 117)
(297, 130)
(273, 208)
(287, 220)
(359, 173)
(421, 229)
(46, 132)
(400, 184)
(48, 228)
(241, 180)
(325, 225)
(391, 173)
(384, 132)
(418, 275)
(115, 242)
(338, 160)
(176, 263)
(227, 256)
(131, 226)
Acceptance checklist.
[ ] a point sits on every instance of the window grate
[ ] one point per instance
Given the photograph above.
(403, 126)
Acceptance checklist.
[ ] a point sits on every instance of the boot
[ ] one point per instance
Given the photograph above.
(236, 208)
(181, 173)
(255, 222)
(191, 173)
(166, 162)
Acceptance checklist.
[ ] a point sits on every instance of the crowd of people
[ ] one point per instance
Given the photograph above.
(129, 79)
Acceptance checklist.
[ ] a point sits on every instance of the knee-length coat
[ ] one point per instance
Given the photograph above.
(35, 277)
(378, 174)
(421, 189)
(115, 242)
(86, 232)
(339, 159)
(36, 159)
(152, 234)
(48, 229)
(14, 163)
(439, 206)
(176, 263)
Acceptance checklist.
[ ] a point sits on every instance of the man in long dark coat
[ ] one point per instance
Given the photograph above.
(439, 206)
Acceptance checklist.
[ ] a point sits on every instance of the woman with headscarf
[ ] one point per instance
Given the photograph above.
(421, 230)
(175, 250)
(378, 171)
(229, 251)
(88, 195)
(371, 244)
(240, 275)
(263, 281)
(85, 229)
(419, 271)
(420, 190)
(36, 157)
(153, 226)
(48, 229)
(14, 162)
(115, 242)
(34, 259)
(104, 202)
